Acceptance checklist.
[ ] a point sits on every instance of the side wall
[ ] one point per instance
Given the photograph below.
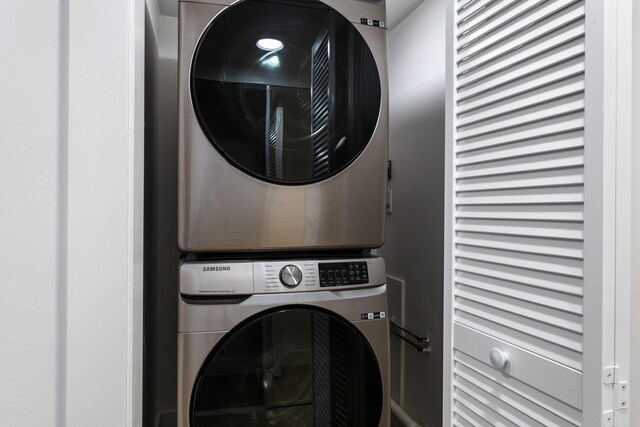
(415, 240)
(161, 201)
(635, 223)
(71, 167)
(105, 213)
(33, 212)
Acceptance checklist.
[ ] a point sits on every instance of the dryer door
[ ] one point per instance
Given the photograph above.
(294, 366)
(287, 91)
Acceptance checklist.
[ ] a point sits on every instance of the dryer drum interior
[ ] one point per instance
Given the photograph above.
(296, 111)
(294, 365)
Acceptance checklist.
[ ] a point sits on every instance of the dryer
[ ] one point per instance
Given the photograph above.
(283, 125)
(283, 343)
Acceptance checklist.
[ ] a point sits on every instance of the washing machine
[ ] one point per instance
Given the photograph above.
(283, 125)
(283, 343)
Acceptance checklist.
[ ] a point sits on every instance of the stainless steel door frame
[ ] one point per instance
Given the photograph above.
(223, 209)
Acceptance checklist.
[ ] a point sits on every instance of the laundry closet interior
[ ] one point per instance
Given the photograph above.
(383, 213)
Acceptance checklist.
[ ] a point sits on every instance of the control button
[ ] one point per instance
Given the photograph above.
(290, 276)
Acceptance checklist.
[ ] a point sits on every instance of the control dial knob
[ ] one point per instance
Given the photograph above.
(290, 276)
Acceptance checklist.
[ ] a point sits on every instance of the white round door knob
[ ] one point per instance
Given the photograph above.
(498, 358)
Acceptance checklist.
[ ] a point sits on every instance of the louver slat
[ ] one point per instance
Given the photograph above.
(464, 4)
(559, 142)
(557, 213)
(531, 99)
(538, 280)
(531, 132)
(541, 163)
(475, 9)
(470, 101)
(525, 54)
(518, 230)
(490, 22)
(510, 73)
(510, 34)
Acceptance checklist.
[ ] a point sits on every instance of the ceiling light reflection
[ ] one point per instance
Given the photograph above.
(270, 45)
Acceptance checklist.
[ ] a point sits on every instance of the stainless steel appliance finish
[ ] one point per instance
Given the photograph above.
(223, 209)
(209, 318)
(354, 10)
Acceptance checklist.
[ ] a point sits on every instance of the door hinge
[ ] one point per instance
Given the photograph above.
(620, 395)
(609, 374)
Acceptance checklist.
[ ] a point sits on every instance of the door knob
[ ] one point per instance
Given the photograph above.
(498, 358)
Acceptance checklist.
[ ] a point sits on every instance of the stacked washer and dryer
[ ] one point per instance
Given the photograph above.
(283, 136)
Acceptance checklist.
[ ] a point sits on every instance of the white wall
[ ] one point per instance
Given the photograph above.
(415, 230)
(398, 10)
(635, 218)
(32, 213)
(105, 208)
(71, 213)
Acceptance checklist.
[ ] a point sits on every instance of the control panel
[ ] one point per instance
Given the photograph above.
(229, 278)
(343, 274)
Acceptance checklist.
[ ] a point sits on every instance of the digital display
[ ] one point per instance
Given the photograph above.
(343, 274)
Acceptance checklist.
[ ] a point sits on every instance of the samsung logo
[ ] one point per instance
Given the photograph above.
(217, 268)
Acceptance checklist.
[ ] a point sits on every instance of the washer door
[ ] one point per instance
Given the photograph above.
(287, 91)
(297, 366)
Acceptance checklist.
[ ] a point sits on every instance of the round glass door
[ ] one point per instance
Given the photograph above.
(287, 91)
(292, 367)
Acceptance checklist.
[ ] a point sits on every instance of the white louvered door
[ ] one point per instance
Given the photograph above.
(517, 214)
